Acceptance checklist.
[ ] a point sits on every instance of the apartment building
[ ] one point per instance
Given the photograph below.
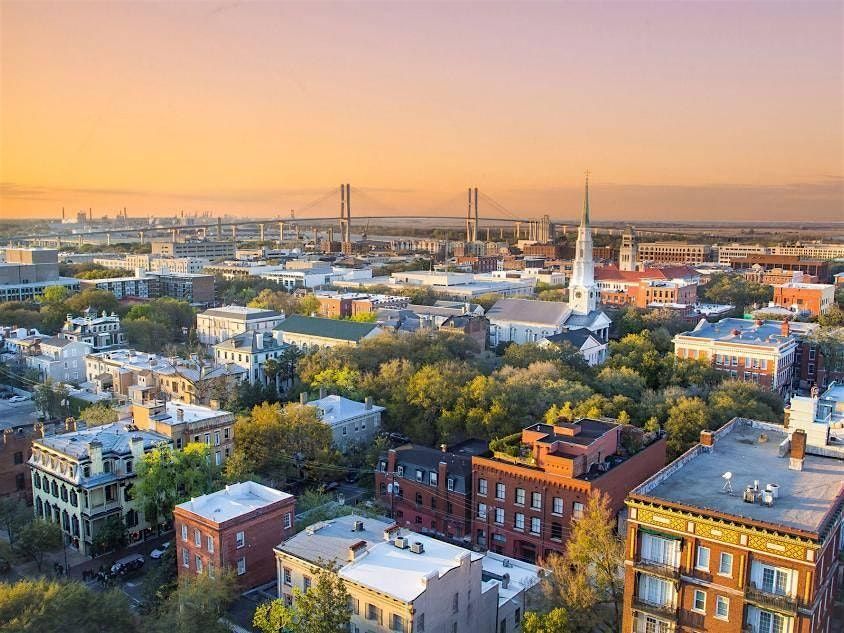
(150, 263)
(137, 287)
(760, 351)
(83, 477)
(429, 490)
(98, 331)
(740, 534)
(803, 298)
(674, 252)
(406, 582)
(15, 451)
(352, 423)
(139, 376)
(818, 268)
(527, 493)
(184, 424)
(219, 324)
(344, 305)
(233, 529)
(250, 350)
(195, 248)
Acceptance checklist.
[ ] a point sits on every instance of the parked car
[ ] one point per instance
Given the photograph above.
(127, 564)
(159, 551)
(18, 399)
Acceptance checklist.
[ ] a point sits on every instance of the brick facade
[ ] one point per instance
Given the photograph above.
(15, 451)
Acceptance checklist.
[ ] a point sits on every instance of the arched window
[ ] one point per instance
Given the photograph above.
(74, 500)
(39, 507)
(419, 498)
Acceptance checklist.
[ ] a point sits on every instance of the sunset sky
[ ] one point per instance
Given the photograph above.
(688, 110)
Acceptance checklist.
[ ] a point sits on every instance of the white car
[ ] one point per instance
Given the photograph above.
(158, 552)
(18, 399)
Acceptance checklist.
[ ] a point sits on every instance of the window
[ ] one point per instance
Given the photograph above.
(239, 540)
(418, 475)
(184, 532)
(722, 608)
(397, 623)
(432, 478)
(655, 591)
(699, 601)
(185, 558)
(702, 561)
(517, 618)
(660, 550)
(535, 525)
(288, 520)
(197, 537)
(18, 458)
(288, 577)
(536, 500)
(499, 516)
(420, 623)
(558, 505)
(198, 562)
(419, 498)
(455, 603)
(400, 471)
(482, 484)
(354, 605)
(481, 510)
(500, 491)
(306, 582)
(209, 542)
(520, 496)
(576, 510)
(20, 481)
(557, 531)
(216, 438)
(519, 521)
(725, 564)
(450, 484)
(502, 626)
(771, 622)
(373, 613)
(774, 580)
(241, 566)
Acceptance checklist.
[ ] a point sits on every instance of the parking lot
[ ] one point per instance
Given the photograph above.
(16, 414)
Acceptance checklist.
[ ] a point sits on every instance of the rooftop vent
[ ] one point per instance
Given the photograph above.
(417, 547)
(357, 526)
(400, 542)
(507, 562)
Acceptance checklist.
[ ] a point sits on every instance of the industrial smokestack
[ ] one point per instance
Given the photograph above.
(475, 228)
(62, 213)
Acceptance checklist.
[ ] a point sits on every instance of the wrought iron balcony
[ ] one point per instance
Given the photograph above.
(665, 611)
(657, 568)
(770, 599)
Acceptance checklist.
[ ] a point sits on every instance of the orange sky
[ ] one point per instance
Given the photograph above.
(725, 111)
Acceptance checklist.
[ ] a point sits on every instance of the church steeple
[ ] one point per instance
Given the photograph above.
(583, 293)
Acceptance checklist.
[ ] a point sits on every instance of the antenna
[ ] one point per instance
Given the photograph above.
(728, 483)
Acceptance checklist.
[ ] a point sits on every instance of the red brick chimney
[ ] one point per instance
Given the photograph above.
(707, 438)
(391, 460)
(798, 450)
(785, 328)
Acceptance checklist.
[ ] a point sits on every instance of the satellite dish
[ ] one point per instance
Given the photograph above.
(727, 475)
(728, 486)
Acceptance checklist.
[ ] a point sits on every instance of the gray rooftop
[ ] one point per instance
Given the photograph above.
(329, 541)
(743, 331)
(551, 313)
(805, 496)
(241, 313)
(248, 341)
(115, 439)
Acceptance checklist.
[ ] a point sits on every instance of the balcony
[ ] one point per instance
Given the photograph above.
(771, 600)
(664, 611)
(649, 624)
(657, 568)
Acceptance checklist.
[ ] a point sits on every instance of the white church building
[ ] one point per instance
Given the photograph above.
(531, 321)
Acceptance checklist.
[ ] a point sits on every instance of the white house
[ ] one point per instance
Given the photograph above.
(593, 350)
(60, 359)
(219, 324)
(249, 350)
(351, 422)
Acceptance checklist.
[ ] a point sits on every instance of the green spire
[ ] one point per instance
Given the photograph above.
(584, 220)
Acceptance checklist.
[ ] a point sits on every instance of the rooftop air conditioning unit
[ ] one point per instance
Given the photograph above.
(357, 526)
(400, 542)
(417, 547)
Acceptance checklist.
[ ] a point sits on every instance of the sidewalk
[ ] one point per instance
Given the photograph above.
(107, 560)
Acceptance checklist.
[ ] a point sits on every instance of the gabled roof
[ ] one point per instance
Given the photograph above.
(326, 328)
(578, 338)
(550, 313)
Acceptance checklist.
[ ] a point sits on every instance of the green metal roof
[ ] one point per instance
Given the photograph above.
(326, 328)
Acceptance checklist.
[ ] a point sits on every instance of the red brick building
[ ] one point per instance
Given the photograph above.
(741, 534)
(15, 451)
(816, 267)
(235, 528)
(814, 299)
(428, 490)
(526, 495)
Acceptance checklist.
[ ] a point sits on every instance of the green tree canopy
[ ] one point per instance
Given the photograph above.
(98, 414)
(36, 539)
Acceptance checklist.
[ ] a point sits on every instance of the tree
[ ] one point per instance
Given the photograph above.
(14, 515)
(343, 381)
(110, 536)
(739, 398)
(587, 581)
(834, 317)
(830, 343)
(196, 606)
(55, 294)
(98, 414)
(620, 380)
(36, 539)
(51, 399)
(323, 608)
(555, 621)
(147, 335)
(167, 477)
(97, 300)
(278, 300)
(309, 305)
(686, 419)
(364, 317)
(734, 289)
(51, 606)
(160, 581)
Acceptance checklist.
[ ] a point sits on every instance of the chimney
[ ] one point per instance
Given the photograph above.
(785, 329)
(95, 453)
(798, 450)
(707, 438)
(321, 393)
(137, 446)
(180, 414)
(303, 397)
(70, 424)
(368, 402)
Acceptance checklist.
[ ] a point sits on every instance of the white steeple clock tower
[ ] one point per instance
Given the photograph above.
(583, 293)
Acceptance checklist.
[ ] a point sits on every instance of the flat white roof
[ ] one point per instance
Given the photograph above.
(337, 409)
(233, 501)
(521, 575)
(399, 572)
(192, 412)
